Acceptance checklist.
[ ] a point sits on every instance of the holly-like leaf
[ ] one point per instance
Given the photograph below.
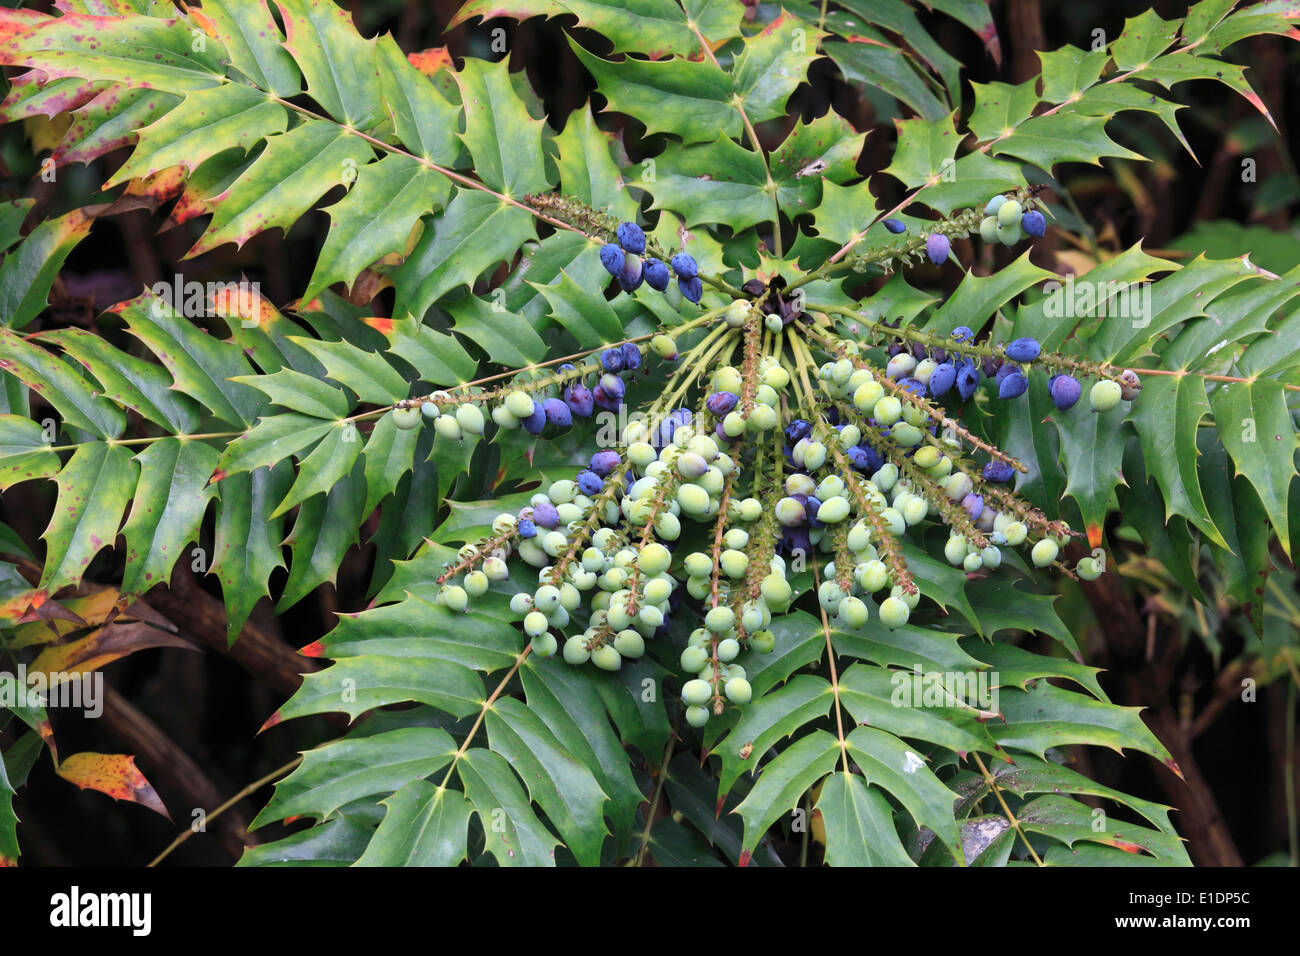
(94, 489)
(113, 774)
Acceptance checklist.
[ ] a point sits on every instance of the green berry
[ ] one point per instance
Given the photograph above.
(535, 623)
(476, 584)
(406, 418)
(1044, 553)
(1009, 212)
(696, 692)
(654, 559)
(728, 649)
(720, 619)
(833, 510)
(519, 404)
(607, 658)
(630, 644)
(470, 419)
(738, 690)
(989, 229)
(893, 613)
(697, 716)
(454, 598)
(575, 650)
(693, 658)
(852, 612)
(733, 563)
(762, 642)
(1105, 395)
(1088, 569)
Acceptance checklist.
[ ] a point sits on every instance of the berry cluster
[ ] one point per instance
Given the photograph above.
(780, 434)
(623, 260)
(1005, 219)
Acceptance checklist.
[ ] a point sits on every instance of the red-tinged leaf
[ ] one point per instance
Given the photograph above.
(113, 774)
(102, 646)
(14, 23)
(271, 722)
(384, 326)
(314, 649)
(431, 61)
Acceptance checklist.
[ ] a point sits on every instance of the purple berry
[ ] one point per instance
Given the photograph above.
(684, 265)
(797, 430)
(613, 386)
(1033, 223)
(557, 413)
(991, 366)
(998, 472)
(656, 274)
(631, 238)
(632, 275)
(535, 422)
(579, 399)
(895, 226)
(912, 385)
(942, 378)
(1004, 370)
(857, 458)
(1023, 350)
(590, 483)
(604, 399)
(603, 463)
(719, 403)
(1013, 386)
(631, 357)
(962, 333)
(526, 528)
(1065, 391)
(611, 360)
(692, 289)
(967, 380)
(612, 258)
(974, 506)
(545, 515)
(937, 248)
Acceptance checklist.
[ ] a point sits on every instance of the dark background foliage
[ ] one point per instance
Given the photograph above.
(193, 718)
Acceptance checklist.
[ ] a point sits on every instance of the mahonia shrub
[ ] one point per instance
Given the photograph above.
(703, 531)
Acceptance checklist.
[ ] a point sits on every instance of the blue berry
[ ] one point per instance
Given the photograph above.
(937, 248)
(603, 463)
(917, 388)
(967, 380)
(684, 265)
(526, 528)
(613, 386)
(604, 399)
(545, 515)
(611, 257)
(590, 483)
(692, 289)
(857, 457)
(557, 413)
(611, 360)
(1023, 350)
(796, 430)
(942, 378)
(579, 399)
(895, 226)
(962, 333)
(974, 506)
(998, 472)
(631, 357)
(719, 403)
(994, 205)
(535, 422)
(1013, 386)
(1033, 223)
(632, 275)
(631, 238)
(656, 274)
(1065, 391)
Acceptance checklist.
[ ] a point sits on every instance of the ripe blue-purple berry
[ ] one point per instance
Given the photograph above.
(604, 399)
(937, 248)
(590, 483)
(796, 430)
(632, 275)
(656, 274)
(895, 226)
(612, 258)
(604, 462)
(631, 238)
(1013, 386)
(613, 386)
(1033, 223)
(631, 357)
(611, 360)
(684, 265)
(998, 472)
(968, 379)
(526, 528)
(1065, 391)
(535, 422)
(942, 378)
(719, 403)
(545, 515)
(974, 506)
(557, 413)
(962, 333)
(579, 399)
(1023, 350)
(692, 289)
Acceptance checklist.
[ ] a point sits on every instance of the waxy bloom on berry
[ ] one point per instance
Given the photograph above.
(937, 248)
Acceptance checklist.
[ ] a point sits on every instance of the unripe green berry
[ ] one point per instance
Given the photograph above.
(607, 658)
(893, 613)
(1105, 395)
(696, 692)
(470, 419)
(629, 644)
(728, 649)
(693, 658)
(720, 619)
(406, 418)
(1044, 552)
(738, 690)
(697, 716)
(1009, 212)
(575, 650)
(519, 404)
